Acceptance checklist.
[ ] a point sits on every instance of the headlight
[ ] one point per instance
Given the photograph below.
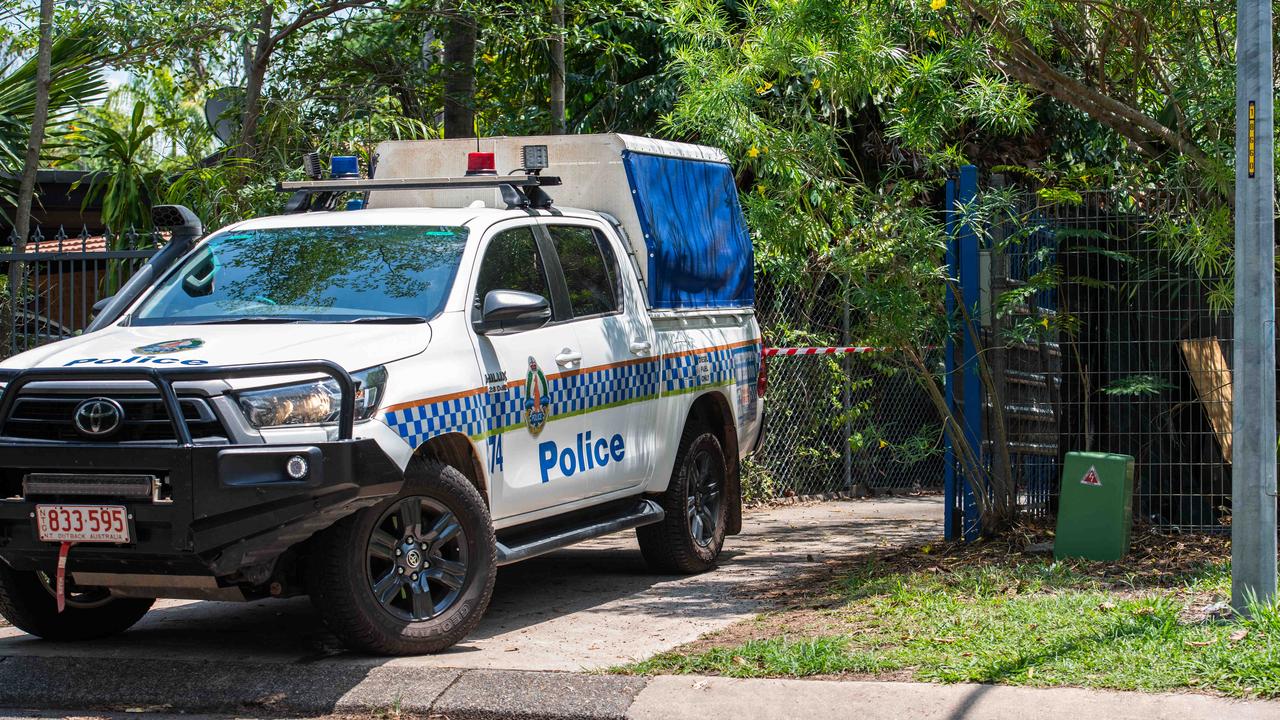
(312, 403)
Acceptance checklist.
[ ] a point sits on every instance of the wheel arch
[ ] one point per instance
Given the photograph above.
(713, 412)
(456, 450)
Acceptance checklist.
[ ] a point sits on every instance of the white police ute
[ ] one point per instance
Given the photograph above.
(392, 388)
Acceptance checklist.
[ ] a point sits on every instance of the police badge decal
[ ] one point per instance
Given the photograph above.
(537, 397)
(171, 346)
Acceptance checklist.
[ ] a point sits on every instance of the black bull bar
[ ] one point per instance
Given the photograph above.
(231, 509)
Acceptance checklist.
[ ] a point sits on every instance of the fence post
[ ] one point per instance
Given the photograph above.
(963, 385)
(949, 371)
(846, 392)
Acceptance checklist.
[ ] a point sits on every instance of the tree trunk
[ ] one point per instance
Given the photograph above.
(255, 75)
(459, 73)
(557, 68)
(30, 166)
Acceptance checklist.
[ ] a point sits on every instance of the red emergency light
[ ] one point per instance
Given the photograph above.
(481, 163)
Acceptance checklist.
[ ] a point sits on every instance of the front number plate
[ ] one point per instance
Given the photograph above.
(83, 523)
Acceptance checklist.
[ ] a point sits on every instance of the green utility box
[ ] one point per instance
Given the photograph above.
(1095, 511)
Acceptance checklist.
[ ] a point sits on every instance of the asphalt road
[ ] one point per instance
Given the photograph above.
(584, 608)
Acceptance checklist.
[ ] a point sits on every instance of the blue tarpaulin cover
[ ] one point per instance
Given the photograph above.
(699, 250)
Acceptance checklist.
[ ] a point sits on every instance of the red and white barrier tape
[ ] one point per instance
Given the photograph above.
(849, 350)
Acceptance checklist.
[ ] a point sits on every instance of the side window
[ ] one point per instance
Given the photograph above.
(590, 269)
(512, 262)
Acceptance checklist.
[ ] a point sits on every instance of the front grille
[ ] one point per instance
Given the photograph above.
(50, 417)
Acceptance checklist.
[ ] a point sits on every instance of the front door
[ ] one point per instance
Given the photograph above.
(524, 398)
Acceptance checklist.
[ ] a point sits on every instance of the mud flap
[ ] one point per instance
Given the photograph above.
(733, 492)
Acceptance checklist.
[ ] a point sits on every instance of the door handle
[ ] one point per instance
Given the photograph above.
(568, 357)
(641, 347)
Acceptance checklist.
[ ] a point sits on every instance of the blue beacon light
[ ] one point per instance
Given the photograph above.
(344, 167)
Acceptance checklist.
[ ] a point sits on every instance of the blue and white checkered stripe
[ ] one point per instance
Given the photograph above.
(418, 423)
(489, 412)
(681, 372)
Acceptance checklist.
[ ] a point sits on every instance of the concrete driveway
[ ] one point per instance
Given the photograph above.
(584, 608)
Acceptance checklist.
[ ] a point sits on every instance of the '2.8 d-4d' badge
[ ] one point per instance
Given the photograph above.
(537, 396)
(169, 346)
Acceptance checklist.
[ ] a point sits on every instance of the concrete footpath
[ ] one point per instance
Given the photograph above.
(587, 607)
(63, 687)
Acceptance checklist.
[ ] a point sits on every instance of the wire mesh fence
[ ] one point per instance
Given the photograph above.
(837, 423)
(1139, 314)
(1147, 343)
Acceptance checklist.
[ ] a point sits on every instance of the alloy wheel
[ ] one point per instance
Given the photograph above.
(706, 486)
(417, 559)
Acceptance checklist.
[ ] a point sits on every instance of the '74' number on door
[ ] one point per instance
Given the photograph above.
(495, 453)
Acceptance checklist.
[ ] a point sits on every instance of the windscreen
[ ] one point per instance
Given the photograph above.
(310, 274)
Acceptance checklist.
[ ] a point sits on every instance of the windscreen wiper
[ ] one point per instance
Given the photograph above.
(386, 319)
(263, 319)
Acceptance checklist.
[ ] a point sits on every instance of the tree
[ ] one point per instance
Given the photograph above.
(268, 37)
(1157, 73)
(841, 124)
(557, 75)
(459, 72)
(39, 118)
(75, 79)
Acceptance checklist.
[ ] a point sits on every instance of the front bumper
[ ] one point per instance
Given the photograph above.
(232, 509)
(229, 510)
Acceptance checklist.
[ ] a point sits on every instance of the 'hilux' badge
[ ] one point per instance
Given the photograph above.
(169, 346)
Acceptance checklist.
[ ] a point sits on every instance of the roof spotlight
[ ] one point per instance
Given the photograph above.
(311, 165)
(534, 158)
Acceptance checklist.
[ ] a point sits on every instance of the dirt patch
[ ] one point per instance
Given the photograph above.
(809, 605)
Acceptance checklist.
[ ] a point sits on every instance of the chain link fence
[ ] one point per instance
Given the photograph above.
(836, 423)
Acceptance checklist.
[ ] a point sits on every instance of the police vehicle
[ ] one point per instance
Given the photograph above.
(399, 384)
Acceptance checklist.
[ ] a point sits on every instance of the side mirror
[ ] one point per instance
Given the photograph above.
(512, 311)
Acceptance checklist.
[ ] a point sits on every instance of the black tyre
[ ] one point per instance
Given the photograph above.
(412, 575)
(689, 539)
(27, 601)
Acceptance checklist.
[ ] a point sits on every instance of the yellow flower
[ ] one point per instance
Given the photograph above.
(938, 4)
(884, 444)
(817, 84)
(932, 33)
(760, 190)
(754, 152)
(488, 58)
(766, 87)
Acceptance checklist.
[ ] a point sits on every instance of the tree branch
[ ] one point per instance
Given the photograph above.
(1024, 63)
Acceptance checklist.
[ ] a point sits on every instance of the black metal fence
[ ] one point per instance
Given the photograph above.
(52, 282)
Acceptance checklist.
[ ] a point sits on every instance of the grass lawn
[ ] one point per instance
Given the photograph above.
(990, 613)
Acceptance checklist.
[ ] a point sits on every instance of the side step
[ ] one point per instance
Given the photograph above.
(626, 517)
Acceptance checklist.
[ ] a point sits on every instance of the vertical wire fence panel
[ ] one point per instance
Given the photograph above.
(1144, 331)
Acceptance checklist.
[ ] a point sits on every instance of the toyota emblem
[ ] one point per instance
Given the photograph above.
(98, 417)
